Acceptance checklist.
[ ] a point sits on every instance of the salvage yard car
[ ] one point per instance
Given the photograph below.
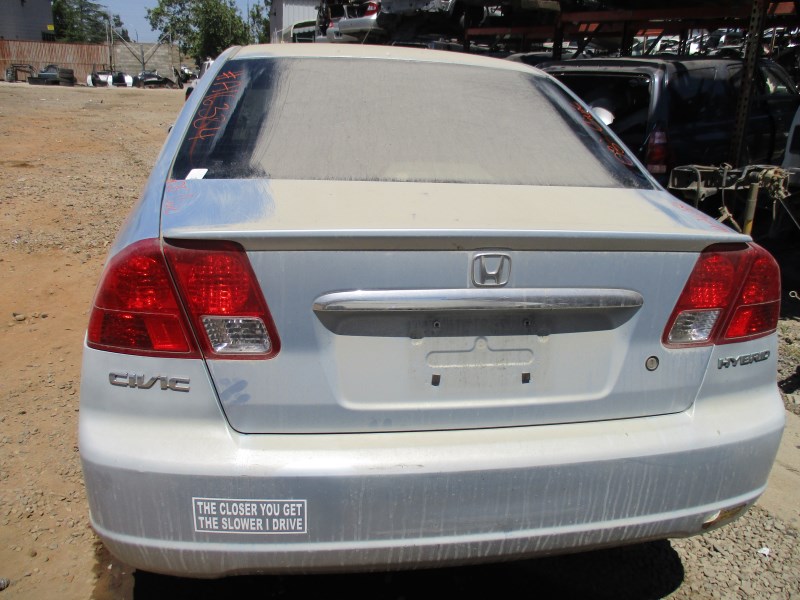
(678, 111)
(455, 344)
(358, 24)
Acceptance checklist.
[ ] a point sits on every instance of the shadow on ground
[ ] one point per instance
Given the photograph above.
(642, 571)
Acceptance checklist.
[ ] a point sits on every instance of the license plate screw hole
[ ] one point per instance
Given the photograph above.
(526, 378)
(435, 379)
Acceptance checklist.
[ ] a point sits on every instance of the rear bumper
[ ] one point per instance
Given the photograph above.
(416, 499)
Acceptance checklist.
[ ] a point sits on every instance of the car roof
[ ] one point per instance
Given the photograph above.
(365, 51)
(654, 62)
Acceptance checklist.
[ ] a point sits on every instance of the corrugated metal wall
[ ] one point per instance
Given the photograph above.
(79, 57)
(288, 13)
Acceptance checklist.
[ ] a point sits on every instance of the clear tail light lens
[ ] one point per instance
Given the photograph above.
(145, 293)
(732, 294)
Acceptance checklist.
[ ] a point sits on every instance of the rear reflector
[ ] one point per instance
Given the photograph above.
(733, 294)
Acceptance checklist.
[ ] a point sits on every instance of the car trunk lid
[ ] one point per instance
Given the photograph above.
(405, 306)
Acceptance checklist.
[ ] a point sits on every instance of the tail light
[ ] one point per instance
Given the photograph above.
(223, 299)
(657, 152)
(733, 294)
(139, 309)
(372, 9)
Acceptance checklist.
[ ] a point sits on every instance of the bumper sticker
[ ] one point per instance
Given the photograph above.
(227, 515)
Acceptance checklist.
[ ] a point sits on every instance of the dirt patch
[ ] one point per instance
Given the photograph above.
(74, 162)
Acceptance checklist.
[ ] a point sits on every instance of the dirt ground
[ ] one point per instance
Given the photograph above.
(73, 162)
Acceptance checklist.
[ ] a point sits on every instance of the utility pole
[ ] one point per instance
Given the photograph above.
(110, 39)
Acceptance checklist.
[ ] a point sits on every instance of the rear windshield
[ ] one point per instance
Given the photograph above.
(388, 120)
(622, 100)
(699, 96)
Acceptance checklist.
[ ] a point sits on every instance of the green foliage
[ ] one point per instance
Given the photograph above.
(204, 28)
(82, 21)
(259, 22)
(219, 26)
(174, 18)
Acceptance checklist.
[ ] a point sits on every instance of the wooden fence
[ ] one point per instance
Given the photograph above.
(81, 58)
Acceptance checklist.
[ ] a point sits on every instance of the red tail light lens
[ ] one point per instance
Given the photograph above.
(657, 152)
(138, 309)
(735, 290)
(135, 308)
(372, 8)
(224, 300)
(758, 305)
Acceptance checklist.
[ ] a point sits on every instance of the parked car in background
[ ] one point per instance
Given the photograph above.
(457, 344)
(151, 79)
(53, 75)
(328, 14)
(791, 158)
(358, 24)
(196, 81)
(725, 37)
(789, 58)
(108, 78)
(681, 111)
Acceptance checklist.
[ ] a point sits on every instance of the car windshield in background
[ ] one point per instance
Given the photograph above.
(700, 96)
(403, 121)
(625, 98)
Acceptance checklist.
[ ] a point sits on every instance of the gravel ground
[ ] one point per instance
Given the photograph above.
(73, 163)
(789, 327)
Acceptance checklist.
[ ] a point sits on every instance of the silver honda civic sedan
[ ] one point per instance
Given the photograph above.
(383, 308)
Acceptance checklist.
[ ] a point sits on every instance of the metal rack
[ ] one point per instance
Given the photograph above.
(695, 184)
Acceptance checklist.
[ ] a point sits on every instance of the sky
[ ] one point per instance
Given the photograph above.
(134, 16)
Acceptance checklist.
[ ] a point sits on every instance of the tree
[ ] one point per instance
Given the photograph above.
(202, 28)
(259, 22)
(219, 26)
(120, 29)
(82, 21)
(174, 18)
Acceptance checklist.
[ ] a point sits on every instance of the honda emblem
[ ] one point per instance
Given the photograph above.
(491, 269)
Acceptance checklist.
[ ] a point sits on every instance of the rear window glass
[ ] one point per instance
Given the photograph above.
(622, 100)
(390, 120)
(699, 96)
